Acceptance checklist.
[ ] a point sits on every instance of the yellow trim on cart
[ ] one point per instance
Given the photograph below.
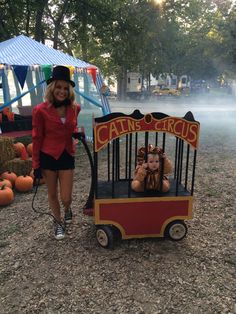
(99, 221)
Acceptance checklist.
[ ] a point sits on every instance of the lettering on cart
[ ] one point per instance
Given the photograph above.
(184, 129)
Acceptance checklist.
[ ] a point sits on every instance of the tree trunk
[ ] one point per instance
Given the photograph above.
(38, 33)
(122, 84)
(84, 39)
(58, 23)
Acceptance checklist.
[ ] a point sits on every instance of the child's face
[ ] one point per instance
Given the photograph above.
(153, 161)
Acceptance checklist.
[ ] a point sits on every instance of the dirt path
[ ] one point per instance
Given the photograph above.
(196, 275)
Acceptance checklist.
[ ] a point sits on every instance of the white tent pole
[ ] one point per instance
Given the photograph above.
(5, 87)
(18, 92)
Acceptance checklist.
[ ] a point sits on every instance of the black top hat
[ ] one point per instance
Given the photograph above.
(61, 73)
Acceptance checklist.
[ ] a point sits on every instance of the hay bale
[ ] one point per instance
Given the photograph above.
(6, 149)
(17, 165)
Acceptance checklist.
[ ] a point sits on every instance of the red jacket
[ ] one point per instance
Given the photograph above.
(49, 134)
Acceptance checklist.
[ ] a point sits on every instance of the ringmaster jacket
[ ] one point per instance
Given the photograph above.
(50, 135)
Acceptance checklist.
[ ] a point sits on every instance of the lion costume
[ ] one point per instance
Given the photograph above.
(147, 175)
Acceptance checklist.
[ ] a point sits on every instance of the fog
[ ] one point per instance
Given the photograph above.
(217, 115)
(207, 110)
(180, 106)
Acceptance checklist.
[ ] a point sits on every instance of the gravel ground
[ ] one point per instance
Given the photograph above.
(196, 275)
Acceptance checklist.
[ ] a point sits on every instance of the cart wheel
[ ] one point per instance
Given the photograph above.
(105, 236)
(176, 230)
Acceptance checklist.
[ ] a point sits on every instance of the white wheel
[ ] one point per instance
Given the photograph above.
(176, 230)
(105, 236)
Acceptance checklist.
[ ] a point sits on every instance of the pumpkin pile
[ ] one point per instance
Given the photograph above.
(9, 181)
(6, 195)
(16, 172)
(16, 157)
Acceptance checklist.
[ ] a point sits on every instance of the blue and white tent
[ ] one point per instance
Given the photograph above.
(25, 51)
(23, 56)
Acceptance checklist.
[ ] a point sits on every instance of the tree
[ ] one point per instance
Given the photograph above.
(194, 37)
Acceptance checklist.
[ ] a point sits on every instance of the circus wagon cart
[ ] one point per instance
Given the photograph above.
(117, 209)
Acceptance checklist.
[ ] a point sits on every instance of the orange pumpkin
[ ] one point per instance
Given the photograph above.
(6, 183)
(24, 155)
(42, 181)
(24, 183)
(30, 149)
(18, 147)
(6, 195)
(9, 175)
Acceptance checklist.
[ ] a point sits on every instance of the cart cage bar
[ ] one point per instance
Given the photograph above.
(117, 138)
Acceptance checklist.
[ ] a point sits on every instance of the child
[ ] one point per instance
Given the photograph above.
(150, 172)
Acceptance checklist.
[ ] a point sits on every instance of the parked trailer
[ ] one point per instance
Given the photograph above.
(134, 85)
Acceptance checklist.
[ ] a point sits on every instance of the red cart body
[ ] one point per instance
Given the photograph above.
(142, 217)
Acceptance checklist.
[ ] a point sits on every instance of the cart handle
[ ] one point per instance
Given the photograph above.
(81, 136)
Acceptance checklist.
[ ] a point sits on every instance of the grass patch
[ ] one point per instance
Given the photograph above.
(231, 261)
(4, 276)
(211, 192)
(4, 244)
(9, 231)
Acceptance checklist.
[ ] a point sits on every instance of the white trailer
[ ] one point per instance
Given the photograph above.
(134, 85)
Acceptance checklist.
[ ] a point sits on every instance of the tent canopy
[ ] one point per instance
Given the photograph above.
(22, 56)
(24, 51)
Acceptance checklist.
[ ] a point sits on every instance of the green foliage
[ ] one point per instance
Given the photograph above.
(194, 37)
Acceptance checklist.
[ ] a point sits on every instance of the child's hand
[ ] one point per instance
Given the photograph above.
(141, 174)
(144, 165)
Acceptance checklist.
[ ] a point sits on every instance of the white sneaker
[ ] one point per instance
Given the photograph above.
(59, 231)
(68, 217)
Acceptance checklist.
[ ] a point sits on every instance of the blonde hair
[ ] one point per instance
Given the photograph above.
(50, 91)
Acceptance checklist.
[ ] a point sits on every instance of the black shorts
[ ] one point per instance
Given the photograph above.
(64, 162)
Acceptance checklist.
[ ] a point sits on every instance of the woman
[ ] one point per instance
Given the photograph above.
(54, 122)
